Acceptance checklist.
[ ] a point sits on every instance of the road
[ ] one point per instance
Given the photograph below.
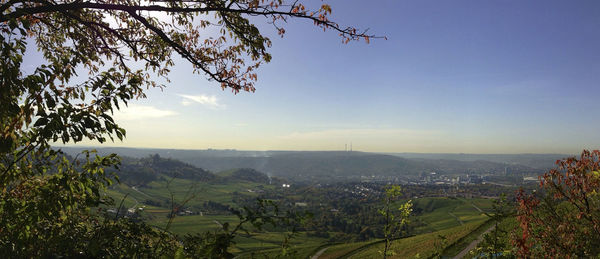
(134, 205)
(136, 189)
(457, 219)
(316, 256)
(473, 244)
(477, 208)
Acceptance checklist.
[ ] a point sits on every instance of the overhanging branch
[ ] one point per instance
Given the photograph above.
(260, 11)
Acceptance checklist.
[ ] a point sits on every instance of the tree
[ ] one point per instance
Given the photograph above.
(563, 220)
(394, 220)
(122, 46)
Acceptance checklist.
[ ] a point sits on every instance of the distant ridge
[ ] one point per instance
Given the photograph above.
(540, 161)
(341, 165)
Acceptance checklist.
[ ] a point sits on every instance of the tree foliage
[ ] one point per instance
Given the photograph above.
(395, 216)
(564, 220)
(97, 56)
(50, 215)
(216, 244)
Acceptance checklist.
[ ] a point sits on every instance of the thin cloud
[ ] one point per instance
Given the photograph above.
(365, 139)
(140, 112)
(360, 133)
(209, 101)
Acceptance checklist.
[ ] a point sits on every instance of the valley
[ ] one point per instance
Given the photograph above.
(183, 199)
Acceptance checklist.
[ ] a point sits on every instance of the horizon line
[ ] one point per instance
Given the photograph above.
(322, 150)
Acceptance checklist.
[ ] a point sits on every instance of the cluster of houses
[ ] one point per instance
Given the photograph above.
(431, 178)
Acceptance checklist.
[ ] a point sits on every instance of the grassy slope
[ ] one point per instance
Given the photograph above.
(423, 245)
(182, 190)
(341, 250)
(269, 245)
(439, 222)
(510, 225)
(454, 248)
(443, 213)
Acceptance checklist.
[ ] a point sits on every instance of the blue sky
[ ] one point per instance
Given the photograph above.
(453, 76)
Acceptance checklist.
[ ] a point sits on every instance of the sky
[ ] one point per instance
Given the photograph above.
(452, 77)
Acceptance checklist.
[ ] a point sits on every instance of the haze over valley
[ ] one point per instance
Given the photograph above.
(336, 166)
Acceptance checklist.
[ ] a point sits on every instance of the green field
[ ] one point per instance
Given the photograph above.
(182, 225)
(451, 217)
(183, 191)
(443, 213)
(269, 245)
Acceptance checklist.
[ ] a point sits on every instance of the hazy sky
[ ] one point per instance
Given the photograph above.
(454, 76)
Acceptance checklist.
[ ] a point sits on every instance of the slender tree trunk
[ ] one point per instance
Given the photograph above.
(387, 229)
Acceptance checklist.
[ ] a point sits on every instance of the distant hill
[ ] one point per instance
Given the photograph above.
(538, 161)
(213, 160)
(142, 171)
(311, 165)
(447, 166)
(181, 154)
(338, 165)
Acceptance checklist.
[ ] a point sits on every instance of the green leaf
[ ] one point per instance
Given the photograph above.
(40, 122)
